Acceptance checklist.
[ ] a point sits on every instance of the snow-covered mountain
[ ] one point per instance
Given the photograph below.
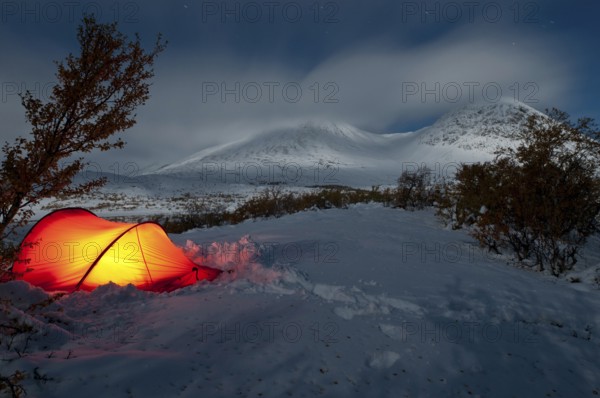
(479, 128)
(317, 153)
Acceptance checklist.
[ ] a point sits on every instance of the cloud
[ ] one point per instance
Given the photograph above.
(468, 65)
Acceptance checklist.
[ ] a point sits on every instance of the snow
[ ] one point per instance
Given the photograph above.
(383, 360)
(366, 301)
(320, 153)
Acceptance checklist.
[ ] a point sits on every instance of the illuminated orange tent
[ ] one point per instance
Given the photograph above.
(73, 249)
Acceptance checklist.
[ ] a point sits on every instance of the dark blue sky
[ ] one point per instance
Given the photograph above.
(235, 68)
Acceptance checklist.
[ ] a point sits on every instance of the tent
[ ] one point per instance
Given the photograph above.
(72, 249)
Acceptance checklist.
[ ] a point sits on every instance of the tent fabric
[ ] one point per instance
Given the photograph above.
(72, 249)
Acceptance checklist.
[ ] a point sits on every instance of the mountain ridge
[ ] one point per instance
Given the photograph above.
(469, 134)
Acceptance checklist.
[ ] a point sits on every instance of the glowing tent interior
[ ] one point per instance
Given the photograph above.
(73, 249)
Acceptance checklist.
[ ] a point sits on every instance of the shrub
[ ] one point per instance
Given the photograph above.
(273, 201)
(416, 189)
(541, 199)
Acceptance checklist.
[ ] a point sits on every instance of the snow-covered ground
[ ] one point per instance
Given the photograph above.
(367, 301)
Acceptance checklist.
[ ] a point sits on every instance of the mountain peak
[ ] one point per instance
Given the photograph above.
(479, 126)
(488, 114)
